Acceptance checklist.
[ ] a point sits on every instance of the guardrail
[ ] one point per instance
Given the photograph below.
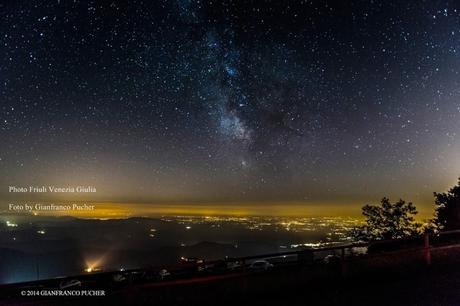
(427, 243)
(423, 244)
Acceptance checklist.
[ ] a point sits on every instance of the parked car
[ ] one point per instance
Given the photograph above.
(219, 266)
(118, 278)
(331, 259)
(163, 274)
(234, 265)
(72, 283)
(260, 265)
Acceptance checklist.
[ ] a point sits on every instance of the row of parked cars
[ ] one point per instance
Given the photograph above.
(187, 268)
(196, 266)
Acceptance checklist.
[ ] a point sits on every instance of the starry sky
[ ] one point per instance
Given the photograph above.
(312, 102)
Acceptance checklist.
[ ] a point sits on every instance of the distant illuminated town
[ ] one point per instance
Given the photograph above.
(73, 245)
(336, 229)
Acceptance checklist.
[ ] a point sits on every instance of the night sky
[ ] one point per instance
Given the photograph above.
(313, 102)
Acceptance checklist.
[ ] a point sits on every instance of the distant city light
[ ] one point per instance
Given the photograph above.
(41, 232)
(94, 264)
(92, 269)
(11, 224)
(309, 245)
(188, 227)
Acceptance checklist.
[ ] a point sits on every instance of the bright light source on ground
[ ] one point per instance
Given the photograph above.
(11, 224)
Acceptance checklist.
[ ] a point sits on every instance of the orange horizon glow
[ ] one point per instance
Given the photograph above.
(120, 210)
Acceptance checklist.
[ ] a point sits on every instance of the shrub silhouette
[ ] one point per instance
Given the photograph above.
(447, 214)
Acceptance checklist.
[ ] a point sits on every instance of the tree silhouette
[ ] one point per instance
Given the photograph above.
(388, 221)
(447, 215)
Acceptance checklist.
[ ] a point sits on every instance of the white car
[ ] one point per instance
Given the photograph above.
(234, 265)
(260, 265)
(118, 278)
(69, 284)
(163, 274)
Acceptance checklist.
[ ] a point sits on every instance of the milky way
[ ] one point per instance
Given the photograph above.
(308, 101)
